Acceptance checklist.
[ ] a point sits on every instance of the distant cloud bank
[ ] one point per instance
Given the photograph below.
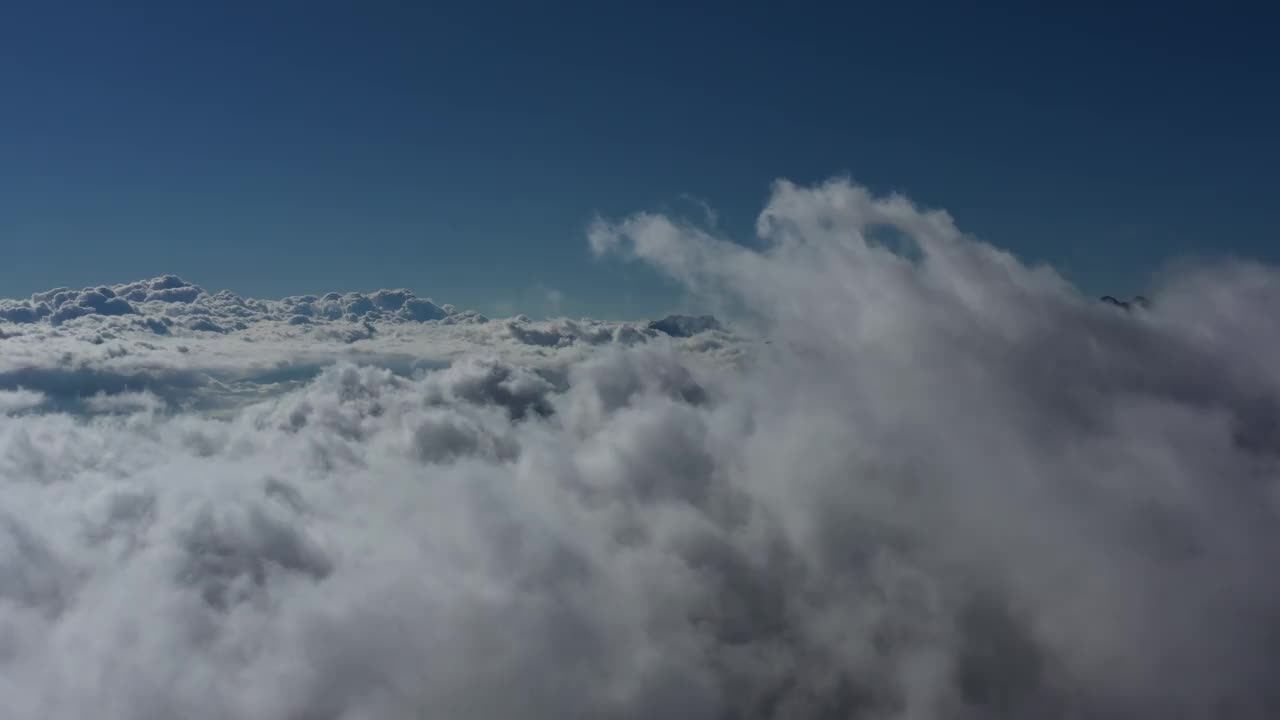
(163, 302)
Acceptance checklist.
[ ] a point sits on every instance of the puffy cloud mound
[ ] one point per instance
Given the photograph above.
(564, 332)
(948, 486)
(163, 301)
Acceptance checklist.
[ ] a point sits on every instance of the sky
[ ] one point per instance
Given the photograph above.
(935, 483)
(463, 150)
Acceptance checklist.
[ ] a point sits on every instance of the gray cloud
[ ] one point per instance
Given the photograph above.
(948, 486)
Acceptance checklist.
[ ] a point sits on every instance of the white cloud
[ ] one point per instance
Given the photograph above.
(947, 486)
(18, 400)
(127, 401)
(190, 348)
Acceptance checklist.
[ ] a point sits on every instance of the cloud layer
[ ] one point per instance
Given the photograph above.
(939, 484)
(161, 302)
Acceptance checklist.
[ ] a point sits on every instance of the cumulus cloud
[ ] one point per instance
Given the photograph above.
(907, 484)
(12, 401)
(169, 299)
(195, 349)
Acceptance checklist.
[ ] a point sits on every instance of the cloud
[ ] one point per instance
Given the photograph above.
(19, 399)
(169, 297)
(947, 485)
(190, 348)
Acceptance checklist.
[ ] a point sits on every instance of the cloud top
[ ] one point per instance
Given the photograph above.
(917, 479)
(168, 298)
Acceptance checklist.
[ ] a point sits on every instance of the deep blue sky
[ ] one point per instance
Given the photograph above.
(282, 147)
